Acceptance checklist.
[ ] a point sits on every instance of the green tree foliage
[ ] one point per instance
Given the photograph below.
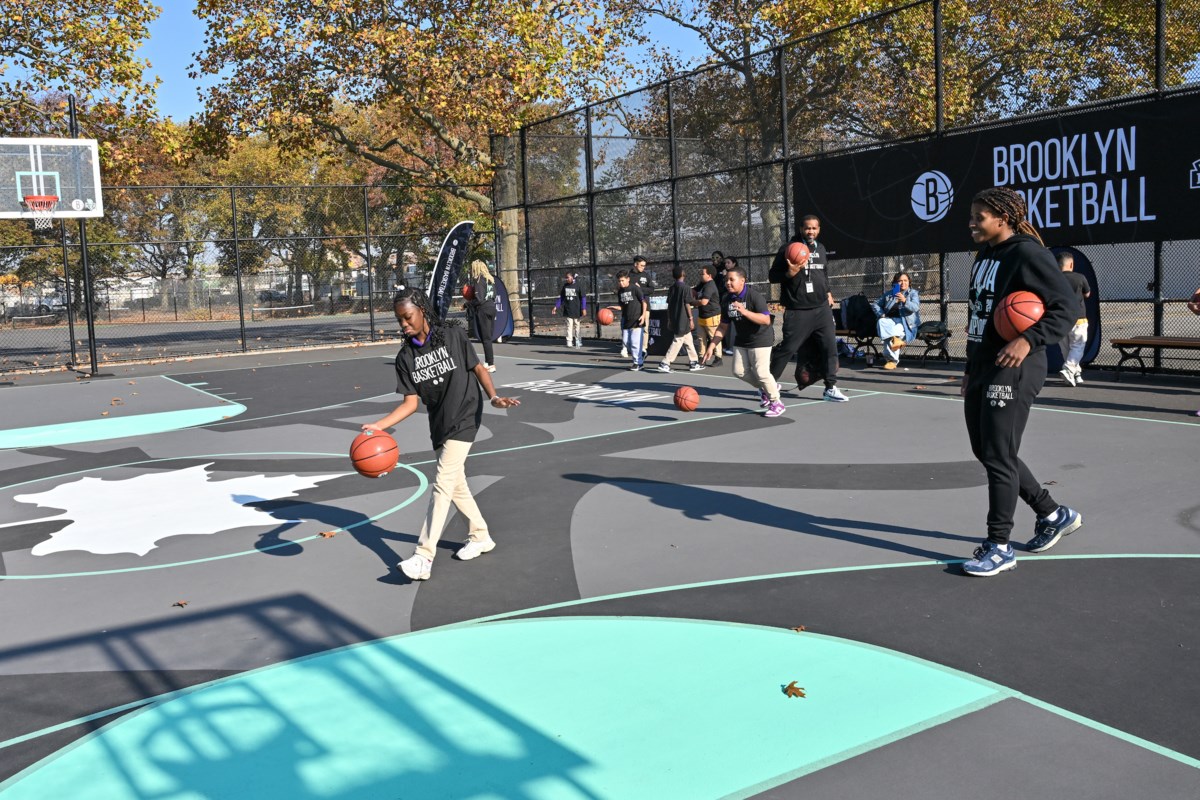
(49, 48)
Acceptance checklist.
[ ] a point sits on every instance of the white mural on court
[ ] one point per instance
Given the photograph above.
(133, 515)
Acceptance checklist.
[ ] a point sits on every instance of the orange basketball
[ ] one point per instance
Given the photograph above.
(468, 292)
(687, 398)
(797, 252)
(374, 454)
(604, 316)
(1016, 314)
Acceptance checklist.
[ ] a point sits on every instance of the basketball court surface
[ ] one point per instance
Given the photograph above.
(200, 597)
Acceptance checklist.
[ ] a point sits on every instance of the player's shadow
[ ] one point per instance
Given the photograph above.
(390, 547)
(706, 505)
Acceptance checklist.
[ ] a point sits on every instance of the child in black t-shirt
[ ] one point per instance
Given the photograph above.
(746, 319)
(437, 367)
(1076, 341)
(573, 303)
(634, 314)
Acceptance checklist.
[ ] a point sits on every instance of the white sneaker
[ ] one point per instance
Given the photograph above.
(1078, 376)
(834, 395)
(475, 549)
(695, 366)
(416, 568)
(663, 368)
(579, 343)
(1067, 375)
(624, 352)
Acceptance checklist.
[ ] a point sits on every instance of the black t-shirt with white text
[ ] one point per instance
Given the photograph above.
(571, 301)
(708, 291)
(747, 333)
(631, 299)
(442, 378)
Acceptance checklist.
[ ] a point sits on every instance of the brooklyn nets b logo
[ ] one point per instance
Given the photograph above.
(932, 195)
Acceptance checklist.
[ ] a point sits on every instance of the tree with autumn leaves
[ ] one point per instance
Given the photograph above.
(412, 86)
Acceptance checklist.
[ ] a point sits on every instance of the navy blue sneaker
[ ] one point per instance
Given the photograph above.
(1046, 534)
(990, 559)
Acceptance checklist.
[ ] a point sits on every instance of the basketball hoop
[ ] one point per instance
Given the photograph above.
(41, 206)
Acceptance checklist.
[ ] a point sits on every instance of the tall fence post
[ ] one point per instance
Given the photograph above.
(67, 295)
(1158, 301)
(525, 209)
(939, 72)
(237, 266)
(370, 264)
(1160, 55)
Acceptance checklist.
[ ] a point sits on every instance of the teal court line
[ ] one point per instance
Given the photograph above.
(422, 485)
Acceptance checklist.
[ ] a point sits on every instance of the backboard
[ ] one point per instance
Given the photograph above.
(66, 168)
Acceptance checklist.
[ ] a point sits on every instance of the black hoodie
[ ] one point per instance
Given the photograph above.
(1018, 263)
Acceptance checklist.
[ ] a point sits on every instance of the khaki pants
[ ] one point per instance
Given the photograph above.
(706, 329)
(683, 341)
(450, 486)
(572, 330)
(753, 365)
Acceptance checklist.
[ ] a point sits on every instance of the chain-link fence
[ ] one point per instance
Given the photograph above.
(192, 270)
(702, 162)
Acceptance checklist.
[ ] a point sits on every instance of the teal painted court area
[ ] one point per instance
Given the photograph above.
(51, 416)
(573, 708)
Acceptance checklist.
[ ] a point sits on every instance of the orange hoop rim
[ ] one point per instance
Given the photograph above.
(40, 202)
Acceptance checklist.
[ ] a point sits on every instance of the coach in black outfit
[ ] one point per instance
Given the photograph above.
(806, 300)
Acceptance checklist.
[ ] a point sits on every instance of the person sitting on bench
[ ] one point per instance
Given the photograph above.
(899, 315)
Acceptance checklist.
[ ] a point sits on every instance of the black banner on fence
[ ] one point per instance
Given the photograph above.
(449, 264)
(1128, 173)
(504, 317)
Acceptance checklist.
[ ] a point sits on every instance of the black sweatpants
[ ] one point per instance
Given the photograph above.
(997, 406)
(809, 331)
(484, 326)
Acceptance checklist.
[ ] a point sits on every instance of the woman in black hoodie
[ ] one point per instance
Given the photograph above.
(1003, 378)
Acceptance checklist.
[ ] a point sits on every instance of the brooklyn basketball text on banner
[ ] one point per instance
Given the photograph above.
(1119, 175)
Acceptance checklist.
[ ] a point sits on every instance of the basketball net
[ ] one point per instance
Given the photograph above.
(41, 206)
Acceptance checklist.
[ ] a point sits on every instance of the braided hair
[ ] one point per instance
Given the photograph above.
(1008, 205)
(437, 325)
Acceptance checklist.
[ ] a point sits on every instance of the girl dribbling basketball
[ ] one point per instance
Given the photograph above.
(437, 367)
(1003, 378)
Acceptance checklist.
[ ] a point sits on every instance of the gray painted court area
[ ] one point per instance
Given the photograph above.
(203, 558)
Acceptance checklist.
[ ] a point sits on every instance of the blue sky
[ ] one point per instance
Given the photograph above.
(177, 34)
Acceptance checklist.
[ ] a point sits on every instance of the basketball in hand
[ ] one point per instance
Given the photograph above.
(604, 316)
(1016, 314)
(797, 253)
(374, 454)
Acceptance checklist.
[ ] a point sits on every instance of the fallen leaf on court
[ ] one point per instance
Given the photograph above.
(179, 604)
(104, 413)
(116, 401)
(1050, 483)
(357, 387)
(799, 629)
(327, 534)
(918, 386)
(133, 383)
(792, 690)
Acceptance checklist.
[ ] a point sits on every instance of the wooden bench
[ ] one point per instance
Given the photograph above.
(1131, 348)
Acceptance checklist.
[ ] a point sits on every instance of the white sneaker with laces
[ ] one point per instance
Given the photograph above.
(663, 368)
(416, 568)
(475, 549)
(834, 395)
